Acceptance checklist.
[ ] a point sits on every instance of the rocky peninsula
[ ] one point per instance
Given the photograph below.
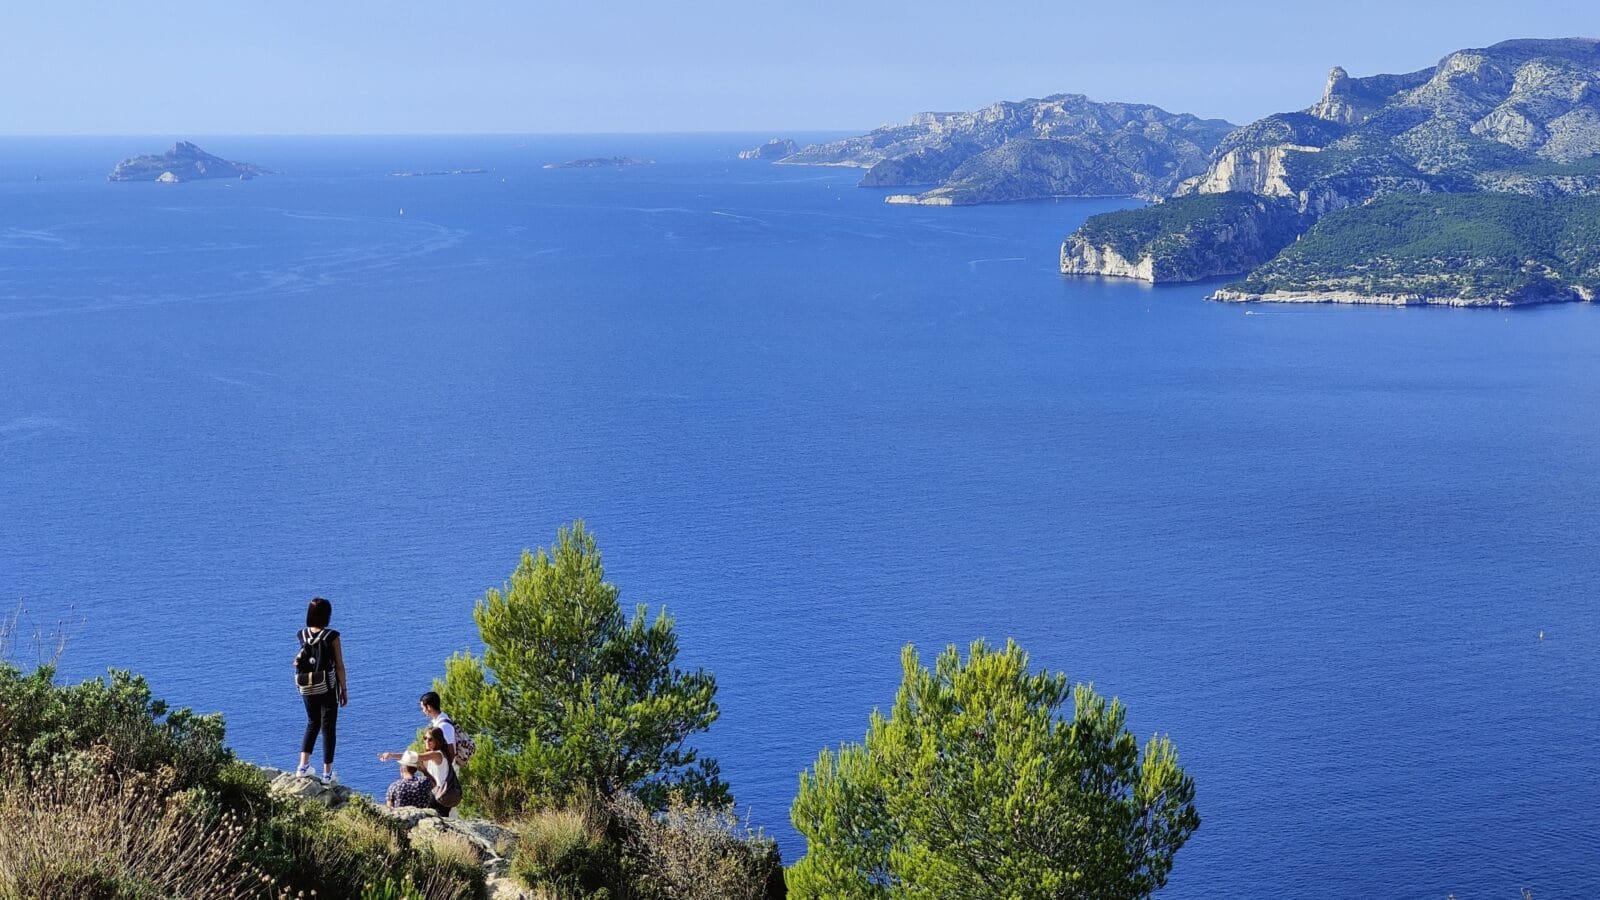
(184, 162)
(1064, 145)
(1475, 182)
(775, 149)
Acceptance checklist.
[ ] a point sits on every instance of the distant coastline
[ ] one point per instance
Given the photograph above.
(601, 162)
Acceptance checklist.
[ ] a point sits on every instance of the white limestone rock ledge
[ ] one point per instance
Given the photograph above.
(1080, 257)
(493, 843)
(1404, 299)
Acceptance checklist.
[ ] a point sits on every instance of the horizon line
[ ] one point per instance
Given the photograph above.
(257, 134)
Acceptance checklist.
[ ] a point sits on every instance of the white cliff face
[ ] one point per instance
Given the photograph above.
(1079, 257)
(1259, 171)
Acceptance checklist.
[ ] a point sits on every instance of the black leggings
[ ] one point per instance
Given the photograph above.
(322, 712)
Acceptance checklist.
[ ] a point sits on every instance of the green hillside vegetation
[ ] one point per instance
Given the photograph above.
(1198, 236)
(991, 778)
(1152, 229)
(1489, 247)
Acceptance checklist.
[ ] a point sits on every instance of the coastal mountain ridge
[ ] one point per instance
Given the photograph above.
(1520, 118)
(1057, 146)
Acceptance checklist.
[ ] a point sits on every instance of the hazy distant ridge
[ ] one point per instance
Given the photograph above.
(1062, 145)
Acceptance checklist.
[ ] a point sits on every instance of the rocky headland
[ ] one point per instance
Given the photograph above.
(1516, 125)
(601, 162)
(184, 162)
(1064, 145)
(777, 148)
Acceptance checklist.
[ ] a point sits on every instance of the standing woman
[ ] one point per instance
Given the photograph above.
(319, 672)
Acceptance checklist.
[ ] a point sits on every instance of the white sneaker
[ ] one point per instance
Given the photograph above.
(329, 779)
(303, 772)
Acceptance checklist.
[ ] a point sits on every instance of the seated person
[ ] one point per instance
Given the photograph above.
(414, 788)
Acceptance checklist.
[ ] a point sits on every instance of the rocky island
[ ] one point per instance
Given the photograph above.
(1475, 182)
(1065, 145)
(777, 148)
(184, 162)
(601, 162)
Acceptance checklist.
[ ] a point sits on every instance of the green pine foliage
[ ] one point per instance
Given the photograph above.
(1198, 233)
(1481, 246)
(113, 793)
(977, 785)
(572, 698)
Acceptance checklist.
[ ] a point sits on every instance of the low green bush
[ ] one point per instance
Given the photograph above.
(567, 853)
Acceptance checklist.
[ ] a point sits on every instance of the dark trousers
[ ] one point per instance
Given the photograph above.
(322, 713)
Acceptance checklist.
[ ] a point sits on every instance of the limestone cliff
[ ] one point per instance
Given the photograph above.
(1519, 117)
(775, 149)
(1187, 239)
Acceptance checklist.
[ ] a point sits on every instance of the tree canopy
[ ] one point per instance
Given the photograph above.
(573, 698)
(975, 785)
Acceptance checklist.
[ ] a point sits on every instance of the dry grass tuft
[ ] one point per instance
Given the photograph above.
(100, 839)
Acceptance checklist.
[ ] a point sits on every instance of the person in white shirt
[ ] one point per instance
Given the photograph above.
(436, 717)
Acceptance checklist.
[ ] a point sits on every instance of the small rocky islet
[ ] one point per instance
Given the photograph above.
(184, 162)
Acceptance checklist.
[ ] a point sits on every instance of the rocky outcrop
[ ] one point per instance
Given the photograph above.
(184, 162)
(777, 148)
(1185, 239)
(493, 844)
(1062, 145)
(1253, 171)
(1540, 184)
(1079, 256)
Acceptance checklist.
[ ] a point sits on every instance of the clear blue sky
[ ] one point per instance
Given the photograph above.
(466, 66)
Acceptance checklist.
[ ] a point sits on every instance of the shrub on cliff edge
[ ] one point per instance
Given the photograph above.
(573, 698)
(975, 786)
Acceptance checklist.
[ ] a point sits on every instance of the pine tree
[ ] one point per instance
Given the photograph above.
(976, 786)
(571, 698)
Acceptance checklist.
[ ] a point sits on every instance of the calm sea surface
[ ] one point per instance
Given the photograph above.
(1316, 546)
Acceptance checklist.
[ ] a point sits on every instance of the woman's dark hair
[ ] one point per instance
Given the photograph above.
(444, 745)
(430, 700)
(318, 612)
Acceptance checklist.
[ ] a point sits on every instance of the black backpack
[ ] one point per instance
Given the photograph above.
(314, 661)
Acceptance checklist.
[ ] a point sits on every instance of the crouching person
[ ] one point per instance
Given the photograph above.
(413, 787)
(438, 760)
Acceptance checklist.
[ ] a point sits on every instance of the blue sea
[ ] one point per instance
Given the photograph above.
(1317, 546)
